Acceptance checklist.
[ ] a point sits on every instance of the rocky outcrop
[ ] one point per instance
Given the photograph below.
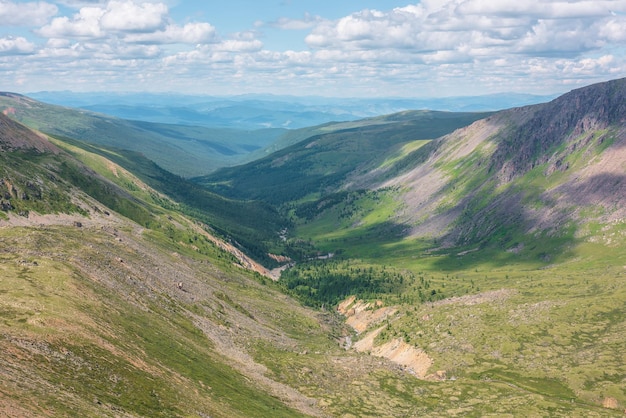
(410, 358)
(528, 141)
(540, 168)
(361, 315)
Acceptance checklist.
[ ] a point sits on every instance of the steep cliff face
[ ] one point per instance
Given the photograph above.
(529, 170)
(532, 139)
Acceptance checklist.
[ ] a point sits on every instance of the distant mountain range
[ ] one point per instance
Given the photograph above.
(267, 111)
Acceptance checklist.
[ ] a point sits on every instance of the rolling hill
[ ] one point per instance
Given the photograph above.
(253, 111)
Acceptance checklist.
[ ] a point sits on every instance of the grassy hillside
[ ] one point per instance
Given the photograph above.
(182, 149)
(252, 225)
(85, 333)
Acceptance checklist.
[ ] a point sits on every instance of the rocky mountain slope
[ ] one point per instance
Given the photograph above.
(538, 169)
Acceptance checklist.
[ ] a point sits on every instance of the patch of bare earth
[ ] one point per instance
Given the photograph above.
(610, 403)
(361, 315)
(412, 359)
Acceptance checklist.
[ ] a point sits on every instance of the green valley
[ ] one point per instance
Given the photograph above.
(432, 264)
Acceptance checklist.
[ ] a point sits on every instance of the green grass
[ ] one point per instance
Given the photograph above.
(253, 225)
(101, 350)
(551, 333)
(26, 187)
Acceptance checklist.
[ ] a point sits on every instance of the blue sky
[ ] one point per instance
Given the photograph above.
(340, 48)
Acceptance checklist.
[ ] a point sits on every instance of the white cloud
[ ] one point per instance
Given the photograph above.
(26, 14)
(128, 16)
(543, 9)
(81, 3)
(307, 22)
(240, 45)
(191, 33)
(57, 43)
(84, 24)
(16, 46)
(477, 28)
(432, 47)
(614, 29)
(115, 17)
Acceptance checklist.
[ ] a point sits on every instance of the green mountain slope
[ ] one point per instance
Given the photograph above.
(549, 169)
(185, 150)
(253, 225)
(324, 157)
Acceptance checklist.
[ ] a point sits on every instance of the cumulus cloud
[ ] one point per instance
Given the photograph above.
(540, 8)
(85, 24)
(115, 17)
(452, 29)
(127, 20)
(26, 14)
(240, 45)
(16, 46)
(129, 16)
(431, 47)
(81, 3)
